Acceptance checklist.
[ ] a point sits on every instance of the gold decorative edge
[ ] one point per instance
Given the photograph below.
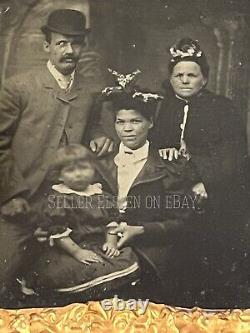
(91, 317)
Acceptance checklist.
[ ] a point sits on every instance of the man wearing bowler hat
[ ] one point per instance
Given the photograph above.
(40, 111)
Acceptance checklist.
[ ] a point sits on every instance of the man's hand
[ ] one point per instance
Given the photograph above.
(101, 145)
(169, 153)
(128, 232)
(15, 206)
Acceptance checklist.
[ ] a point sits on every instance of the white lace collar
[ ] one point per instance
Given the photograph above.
(90, 190)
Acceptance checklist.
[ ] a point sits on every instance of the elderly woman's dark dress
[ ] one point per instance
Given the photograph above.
(215, 139)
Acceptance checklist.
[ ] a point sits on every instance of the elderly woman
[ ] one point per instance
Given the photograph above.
(154, 198)
(194, 122)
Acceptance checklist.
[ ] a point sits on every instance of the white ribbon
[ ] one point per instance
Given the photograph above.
(64, 234)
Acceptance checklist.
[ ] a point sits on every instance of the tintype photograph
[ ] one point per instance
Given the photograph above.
(124, 152)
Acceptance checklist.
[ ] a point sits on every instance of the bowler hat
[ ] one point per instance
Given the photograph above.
(66, 22)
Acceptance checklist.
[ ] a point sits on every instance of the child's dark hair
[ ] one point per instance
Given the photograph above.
(70, 154)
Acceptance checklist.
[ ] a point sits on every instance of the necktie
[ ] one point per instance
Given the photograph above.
(65, 84)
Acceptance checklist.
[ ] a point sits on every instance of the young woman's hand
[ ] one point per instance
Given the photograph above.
(169, 153)
(86, 256)
(128, 232)
(110, 250)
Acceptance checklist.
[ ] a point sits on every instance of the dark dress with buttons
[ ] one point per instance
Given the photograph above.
(215, 139)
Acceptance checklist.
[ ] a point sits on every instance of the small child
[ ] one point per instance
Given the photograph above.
(75, 206)
(76, 214)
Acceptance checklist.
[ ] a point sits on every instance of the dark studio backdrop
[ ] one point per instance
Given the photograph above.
(131, 34)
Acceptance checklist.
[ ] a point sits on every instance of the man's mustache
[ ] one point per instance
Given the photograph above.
(68, 57)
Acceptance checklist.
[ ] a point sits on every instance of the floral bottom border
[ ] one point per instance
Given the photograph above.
(91, 317)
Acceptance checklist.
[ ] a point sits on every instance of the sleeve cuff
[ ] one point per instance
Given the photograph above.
(52, 238)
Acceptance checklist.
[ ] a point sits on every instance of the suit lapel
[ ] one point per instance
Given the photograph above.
(49, 82)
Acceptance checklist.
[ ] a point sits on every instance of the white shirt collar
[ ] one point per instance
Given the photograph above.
(138, 154)
(90, 190)
(130, 163)
(64, 81)
(127, 156)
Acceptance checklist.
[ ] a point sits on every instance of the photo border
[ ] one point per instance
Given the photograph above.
(91, 317)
